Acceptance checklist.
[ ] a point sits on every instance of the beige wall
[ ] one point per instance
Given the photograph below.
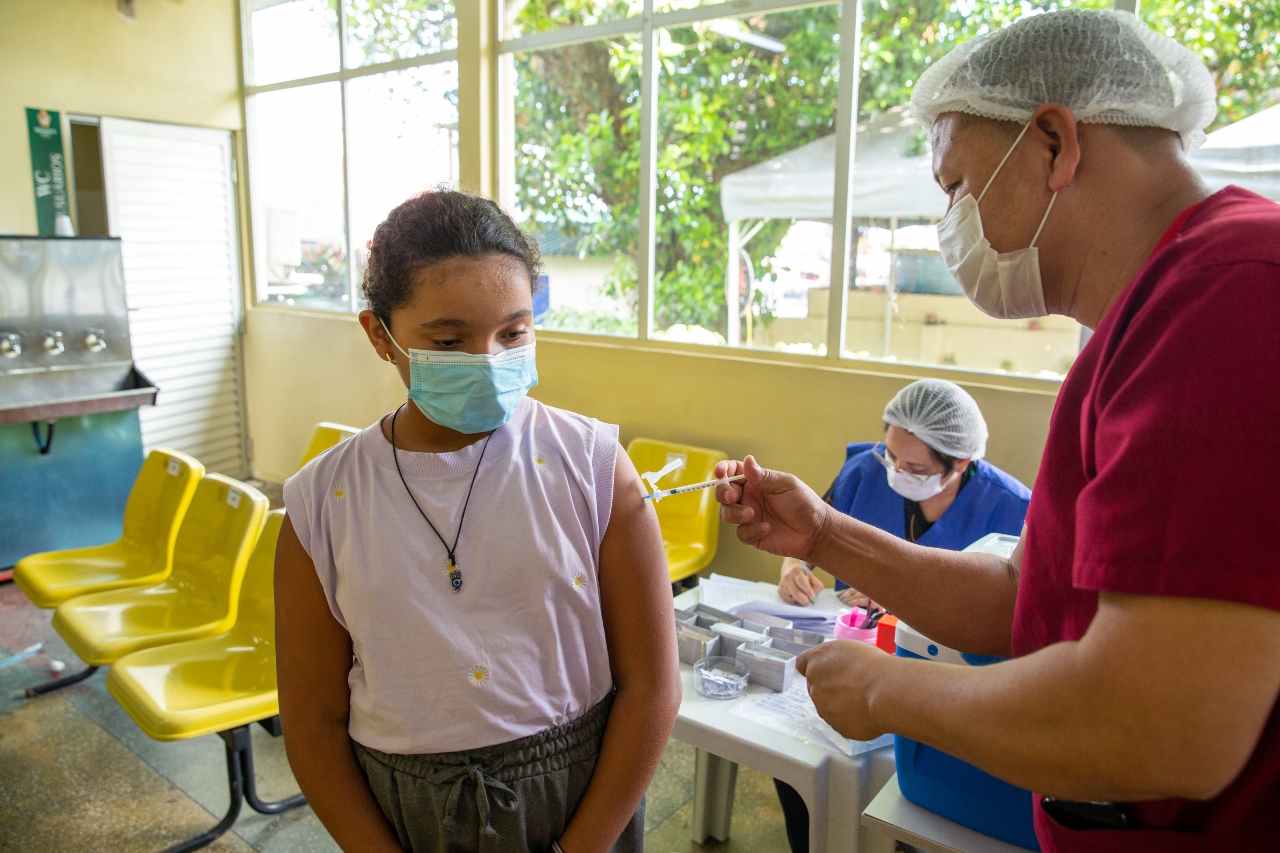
(179, 63)
(793, 414)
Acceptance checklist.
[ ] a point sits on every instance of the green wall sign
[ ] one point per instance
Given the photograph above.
(48, 169)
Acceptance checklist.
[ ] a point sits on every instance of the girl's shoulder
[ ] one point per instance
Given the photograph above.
(546, 422)
(331, 466)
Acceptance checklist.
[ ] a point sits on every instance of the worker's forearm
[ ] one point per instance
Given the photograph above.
(1042, 722)
(964, 601)
(330, 776)
(639, 724)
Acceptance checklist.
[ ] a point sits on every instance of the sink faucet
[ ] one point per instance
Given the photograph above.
(53, 342)
(95, 340)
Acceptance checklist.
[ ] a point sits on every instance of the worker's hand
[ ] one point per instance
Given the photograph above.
(774, 511)
(798, 584)
(840, 676)
(850, 597)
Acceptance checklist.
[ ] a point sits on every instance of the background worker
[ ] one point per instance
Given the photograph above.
(927, 483)
(1142, 603)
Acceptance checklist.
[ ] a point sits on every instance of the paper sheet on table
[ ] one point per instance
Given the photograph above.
(726, 593)
(792, 713)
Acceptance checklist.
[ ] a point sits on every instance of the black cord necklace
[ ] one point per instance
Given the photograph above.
(455, 573)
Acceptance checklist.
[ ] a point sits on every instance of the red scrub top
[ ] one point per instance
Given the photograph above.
(1160, 477)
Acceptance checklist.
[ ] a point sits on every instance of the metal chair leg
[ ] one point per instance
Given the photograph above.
(251, 788)
(234, 739)
(59, 683)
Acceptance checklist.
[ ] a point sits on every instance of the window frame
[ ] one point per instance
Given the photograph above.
(342, 76)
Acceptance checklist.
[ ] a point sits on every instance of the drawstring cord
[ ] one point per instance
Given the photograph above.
(487, 787)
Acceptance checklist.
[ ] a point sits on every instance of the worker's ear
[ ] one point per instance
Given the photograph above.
(1055, 130)
(960, 466)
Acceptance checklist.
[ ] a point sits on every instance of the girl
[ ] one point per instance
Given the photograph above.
(473, 613)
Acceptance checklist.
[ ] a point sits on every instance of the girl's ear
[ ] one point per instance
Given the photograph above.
(377, 335)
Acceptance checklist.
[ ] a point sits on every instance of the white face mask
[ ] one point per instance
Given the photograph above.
(913, 487)
(1006, 286)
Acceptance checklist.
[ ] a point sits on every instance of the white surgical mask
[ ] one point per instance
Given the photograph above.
(913, 487)
(1006, 286)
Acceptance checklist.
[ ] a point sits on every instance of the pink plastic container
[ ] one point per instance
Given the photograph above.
(846, 627)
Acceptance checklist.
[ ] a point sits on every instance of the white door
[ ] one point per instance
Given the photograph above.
(171, 199)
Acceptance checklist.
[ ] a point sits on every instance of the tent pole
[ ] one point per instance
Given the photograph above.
(890, 294)
(732, 278)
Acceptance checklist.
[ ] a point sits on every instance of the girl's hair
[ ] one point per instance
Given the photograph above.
(432, 227)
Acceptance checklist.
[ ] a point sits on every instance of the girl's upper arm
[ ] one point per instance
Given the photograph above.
(313, 651)
(635, 588)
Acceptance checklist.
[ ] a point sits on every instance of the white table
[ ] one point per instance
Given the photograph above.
(835, 787)
(893, 816)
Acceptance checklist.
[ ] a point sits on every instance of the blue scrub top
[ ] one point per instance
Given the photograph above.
(991, 502)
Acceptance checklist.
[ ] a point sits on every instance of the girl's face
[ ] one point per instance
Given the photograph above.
(480, 306)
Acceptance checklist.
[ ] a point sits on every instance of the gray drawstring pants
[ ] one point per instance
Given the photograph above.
(512, 797)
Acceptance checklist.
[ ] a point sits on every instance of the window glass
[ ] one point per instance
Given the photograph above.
(1239, 42)
(402, 138)
(903, 305)
(293, 39)
(297, 191)
(576, 164)
(741, 101)
(384, 30)
(526, 17)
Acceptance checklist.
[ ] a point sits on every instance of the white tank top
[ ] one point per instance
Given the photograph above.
(522, 647)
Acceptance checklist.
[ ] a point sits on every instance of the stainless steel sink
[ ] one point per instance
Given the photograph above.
(64, 331)
(49, 395)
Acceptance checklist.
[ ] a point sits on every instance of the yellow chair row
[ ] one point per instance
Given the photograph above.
(184, 615)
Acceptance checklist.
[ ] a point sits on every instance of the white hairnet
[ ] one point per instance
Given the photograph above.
(1105, 65)
(942, 415)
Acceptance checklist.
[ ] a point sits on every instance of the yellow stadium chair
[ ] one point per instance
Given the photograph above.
(690, 522)
(142, 556)
(200, 596)
(324, 436)
(221, 684)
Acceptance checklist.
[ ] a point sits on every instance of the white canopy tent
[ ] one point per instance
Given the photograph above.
(888, 183)
(1246, 154)
(800, 184)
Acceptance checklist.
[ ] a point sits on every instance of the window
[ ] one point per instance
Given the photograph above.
(402, 138)
(330, 157)
(299, 199)
(293, 39)
(576, 127)
(678, 161)
(738, 98)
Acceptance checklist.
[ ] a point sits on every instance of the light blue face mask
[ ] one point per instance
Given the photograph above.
(469, 393)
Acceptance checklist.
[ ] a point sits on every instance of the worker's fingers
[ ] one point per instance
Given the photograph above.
(805, 581)
(765, 479)
(806, 658)
(753, 533)
(790, 589)
(729, 493)
(728, 468)
(736, 514)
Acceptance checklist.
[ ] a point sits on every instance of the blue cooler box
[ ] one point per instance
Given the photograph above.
(944, 784)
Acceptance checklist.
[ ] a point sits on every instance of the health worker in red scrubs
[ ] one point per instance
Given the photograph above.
(1141, 606)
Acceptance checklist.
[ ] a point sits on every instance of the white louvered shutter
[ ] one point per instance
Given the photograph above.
(171, 200)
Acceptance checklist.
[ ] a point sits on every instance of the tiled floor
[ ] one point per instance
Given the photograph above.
(76, 775)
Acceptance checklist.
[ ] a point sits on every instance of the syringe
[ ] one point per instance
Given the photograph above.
(693, 487)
